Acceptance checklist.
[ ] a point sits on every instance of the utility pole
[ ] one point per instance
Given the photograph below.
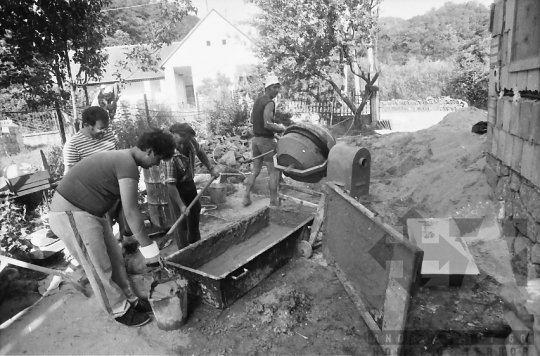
(373, 69)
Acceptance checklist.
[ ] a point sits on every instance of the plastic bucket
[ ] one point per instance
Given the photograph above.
(218, 193)
(169, 302)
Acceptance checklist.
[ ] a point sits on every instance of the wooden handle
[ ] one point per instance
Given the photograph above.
(171, 230)
(27, 265)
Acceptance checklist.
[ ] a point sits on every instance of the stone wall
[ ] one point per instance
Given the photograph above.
(521, 224)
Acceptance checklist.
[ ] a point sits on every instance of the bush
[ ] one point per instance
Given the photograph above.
(415, 80)
(55, 159)
(128, 127)
(227, 116)
(15, 224)
(470, 82)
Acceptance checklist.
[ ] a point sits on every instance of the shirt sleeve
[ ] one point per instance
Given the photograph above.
(126, 168)
(168, 175)
(196, 144)
(70, 153)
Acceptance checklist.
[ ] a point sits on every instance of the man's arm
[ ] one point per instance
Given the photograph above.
(129, 196)
(269, 119)
(175, 198)
(206, 162)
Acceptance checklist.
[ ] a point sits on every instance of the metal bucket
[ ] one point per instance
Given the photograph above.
(218, 193)
(170, 311)
(158, 198)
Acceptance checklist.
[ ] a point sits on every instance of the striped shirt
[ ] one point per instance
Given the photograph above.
(80, 146)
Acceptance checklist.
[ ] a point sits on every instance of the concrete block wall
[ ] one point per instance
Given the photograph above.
(513, 148)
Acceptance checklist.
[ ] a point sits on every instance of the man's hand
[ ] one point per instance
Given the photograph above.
(184, 210)
(214, 172)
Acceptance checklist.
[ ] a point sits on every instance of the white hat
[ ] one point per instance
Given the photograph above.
(270, 80)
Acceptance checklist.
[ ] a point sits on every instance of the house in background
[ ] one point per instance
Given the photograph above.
(213, 46)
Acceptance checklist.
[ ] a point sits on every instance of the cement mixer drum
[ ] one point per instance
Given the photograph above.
(302, 152)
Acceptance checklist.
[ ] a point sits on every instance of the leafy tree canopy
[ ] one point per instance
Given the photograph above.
(437, 35)
(305, 40)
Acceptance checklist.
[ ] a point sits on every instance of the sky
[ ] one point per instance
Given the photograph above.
(238, 11)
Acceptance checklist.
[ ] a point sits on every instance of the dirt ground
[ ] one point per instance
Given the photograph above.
(302, 308)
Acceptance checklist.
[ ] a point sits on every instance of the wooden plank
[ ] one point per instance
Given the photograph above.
(41, 183)
(379, 267)
(515, 118)
(525, 64)
(298, 201)
(503, 48)
(522, 80)
(512, 80)
(533, 80)
(317, 223)
(18, 182)
(498, 18)
(33, 190)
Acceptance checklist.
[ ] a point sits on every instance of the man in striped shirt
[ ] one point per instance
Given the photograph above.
(92, 138)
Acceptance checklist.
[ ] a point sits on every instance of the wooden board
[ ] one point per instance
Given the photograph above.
(378, 267)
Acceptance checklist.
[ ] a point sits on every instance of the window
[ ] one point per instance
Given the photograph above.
(525, 52)
(224, 42)
(208, 43)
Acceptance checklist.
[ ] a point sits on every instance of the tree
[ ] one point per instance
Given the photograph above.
(46, 37)
(307, 39)
(167, 27)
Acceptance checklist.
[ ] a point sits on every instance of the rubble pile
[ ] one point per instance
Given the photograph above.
(231, 152)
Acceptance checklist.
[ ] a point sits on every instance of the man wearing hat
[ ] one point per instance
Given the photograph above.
(264, 128)
(178, 174)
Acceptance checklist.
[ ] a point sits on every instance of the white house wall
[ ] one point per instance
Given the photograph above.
(206, 61)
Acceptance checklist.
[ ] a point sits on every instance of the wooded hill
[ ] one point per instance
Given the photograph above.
(133, 25)
(436, 35)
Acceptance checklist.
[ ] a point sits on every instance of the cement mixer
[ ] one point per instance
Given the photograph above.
(308, 153)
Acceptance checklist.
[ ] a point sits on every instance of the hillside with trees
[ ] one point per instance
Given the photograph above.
(443, 52)
(134, 24)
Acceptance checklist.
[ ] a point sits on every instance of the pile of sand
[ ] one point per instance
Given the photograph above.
(439, 170)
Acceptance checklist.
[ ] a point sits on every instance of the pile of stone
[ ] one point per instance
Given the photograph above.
(232, 152)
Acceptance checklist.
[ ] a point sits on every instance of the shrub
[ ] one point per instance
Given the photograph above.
(55, 159)
(415, 80)
(470, 81)
(15, 224)
(227, 116)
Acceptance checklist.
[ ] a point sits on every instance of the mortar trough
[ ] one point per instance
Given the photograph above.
(229, 263)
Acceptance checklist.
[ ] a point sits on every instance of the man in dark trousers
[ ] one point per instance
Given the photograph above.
(264, 128)
(178, 175)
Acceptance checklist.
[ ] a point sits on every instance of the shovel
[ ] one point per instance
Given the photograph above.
(62, 274)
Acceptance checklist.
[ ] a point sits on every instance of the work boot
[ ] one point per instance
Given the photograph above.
(133, 318)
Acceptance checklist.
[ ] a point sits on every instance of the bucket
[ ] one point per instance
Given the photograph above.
(158, 198)
(218, 193)
(168, 299)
